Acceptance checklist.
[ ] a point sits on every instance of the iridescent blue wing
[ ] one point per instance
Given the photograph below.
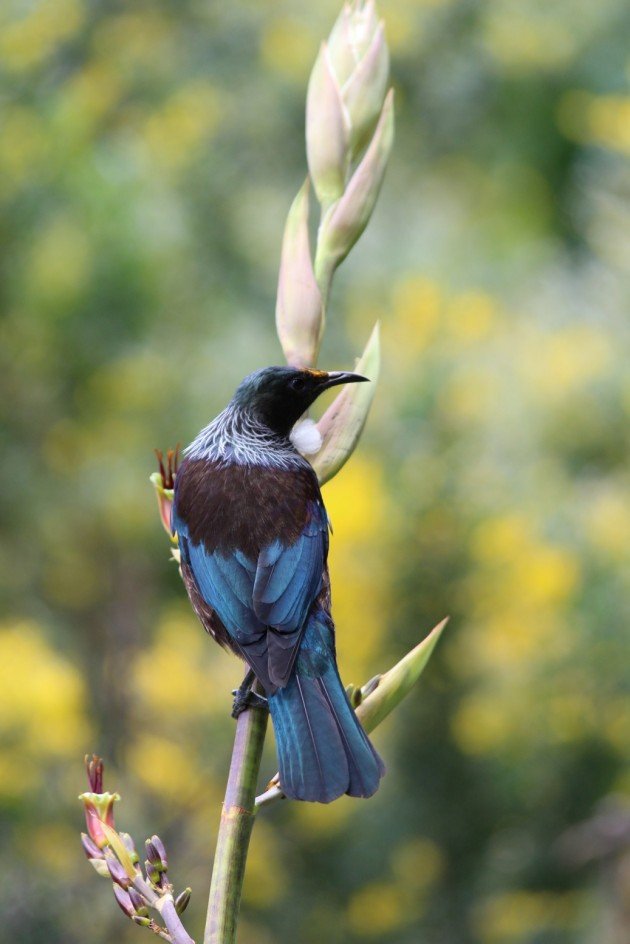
(288, 581)
(263, 604)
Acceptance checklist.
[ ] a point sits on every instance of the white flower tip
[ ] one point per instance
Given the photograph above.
(306, 437)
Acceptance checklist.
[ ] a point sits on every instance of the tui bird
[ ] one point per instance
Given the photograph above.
(253, 537)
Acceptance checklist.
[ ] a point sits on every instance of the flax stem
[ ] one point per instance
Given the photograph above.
(235, 828)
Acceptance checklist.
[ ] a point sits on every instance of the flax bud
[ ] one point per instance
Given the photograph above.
(343, 421)
(181, 902)
(299, 308)
(124, 901)
(378, 701)
(360, 62)
(327, 131)
(344, 222)
(116, 871)
(99, 814)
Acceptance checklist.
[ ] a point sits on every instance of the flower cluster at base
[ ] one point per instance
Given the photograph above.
(113, 855)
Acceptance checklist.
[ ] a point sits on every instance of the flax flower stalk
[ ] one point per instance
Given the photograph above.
(349, 136)
(235, 828)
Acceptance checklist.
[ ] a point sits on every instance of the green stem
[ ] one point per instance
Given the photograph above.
(235, 829)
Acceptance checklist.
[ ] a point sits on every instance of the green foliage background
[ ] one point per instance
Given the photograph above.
(148, 155)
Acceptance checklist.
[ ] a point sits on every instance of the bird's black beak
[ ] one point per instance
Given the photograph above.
(336, 377)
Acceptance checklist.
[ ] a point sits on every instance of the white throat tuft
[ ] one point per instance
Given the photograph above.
(306, 437)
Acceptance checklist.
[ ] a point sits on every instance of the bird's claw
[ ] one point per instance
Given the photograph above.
(244, 700)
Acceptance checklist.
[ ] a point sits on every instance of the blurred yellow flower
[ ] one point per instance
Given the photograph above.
(596, 119)
(355, 500)
(24, 146)
(26, 42)
(482, 723)
(165, 768)
(607, 515)
(378, 908)
(265, 879)
(192, 667)
(60, 262)
(174, 132)
(522, 915)
(471, 316)
(416, 317)
(42, 705)
(288, 47)
(418, 863)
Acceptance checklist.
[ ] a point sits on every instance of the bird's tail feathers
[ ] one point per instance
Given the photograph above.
(323, 751)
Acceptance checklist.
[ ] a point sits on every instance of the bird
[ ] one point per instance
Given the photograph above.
(253, 535)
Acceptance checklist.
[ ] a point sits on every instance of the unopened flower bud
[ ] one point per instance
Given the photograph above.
(142, 920)
(152, 873)
(138, 901)
(124, 901)
(117, 872)
(327, 131)
(156, 853)
(99, 809)
(357, 61)
(90, 848)
(181, 902)
(343, 421)
(397, 682)
(299, 308)
(345, 221)
(351, 36)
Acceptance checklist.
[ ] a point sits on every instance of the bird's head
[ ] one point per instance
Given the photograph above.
(278, 396)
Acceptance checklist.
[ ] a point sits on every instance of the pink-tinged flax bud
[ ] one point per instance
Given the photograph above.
(345, 221)
(99, 809)
(124, 901)
(364, 92)
(327, 131)
(156, 853)
(153, 874)
(90, 848)
(138, 901)
(359, 60)
(116, 871)
(342, 423)
(99, 806)
(164, 483)
(299, 308)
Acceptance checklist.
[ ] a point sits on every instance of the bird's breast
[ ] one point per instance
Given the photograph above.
(237, 507)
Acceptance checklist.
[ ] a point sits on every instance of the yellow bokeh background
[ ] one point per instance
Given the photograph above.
(148, 155)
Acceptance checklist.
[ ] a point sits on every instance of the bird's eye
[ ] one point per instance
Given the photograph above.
(297, 384)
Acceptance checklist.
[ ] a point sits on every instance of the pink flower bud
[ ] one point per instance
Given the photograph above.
(299, 309)
(342, 423)
(364, 92)
(123, 901)
(326, 131)
(99, 809)
(345, 220)
(99, 806)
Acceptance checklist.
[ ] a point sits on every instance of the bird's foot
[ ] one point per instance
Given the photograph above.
(247, 699)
